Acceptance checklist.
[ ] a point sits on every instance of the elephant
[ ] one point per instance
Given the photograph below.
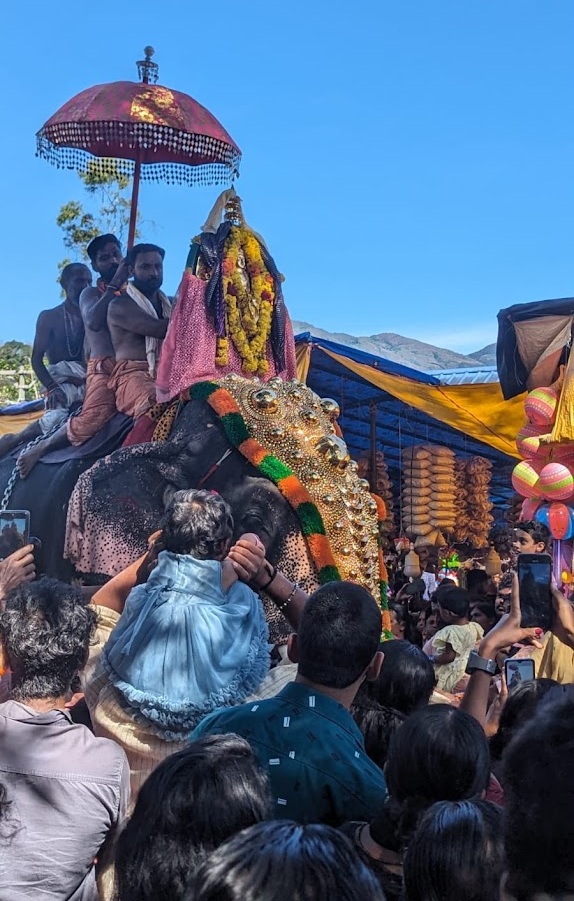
(45, 494)
(113, 506)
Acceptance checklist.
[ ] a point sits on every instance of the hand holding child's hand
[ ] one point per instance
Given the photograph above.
(247, 556)
(149, 561)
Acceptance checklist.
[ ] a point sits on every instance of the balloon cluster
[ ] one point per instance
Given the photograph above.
(545, 476)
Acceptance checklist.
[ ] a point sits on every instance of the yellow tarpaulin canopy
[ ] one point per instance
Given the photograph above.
(476, 410)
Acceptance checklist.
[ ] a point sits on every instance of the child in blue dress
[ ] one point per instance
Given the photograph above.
(192, 638)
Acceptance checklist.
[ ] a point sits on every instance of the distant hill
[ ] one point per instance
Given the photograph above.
(486, 356)
(408, 351)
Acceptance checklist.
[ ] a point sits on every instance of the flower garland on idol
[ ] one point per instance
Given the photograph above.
(248, 313)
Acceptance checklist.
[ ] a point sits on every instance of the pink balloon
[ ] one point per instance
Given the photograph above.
(529, 508)
(556, 482)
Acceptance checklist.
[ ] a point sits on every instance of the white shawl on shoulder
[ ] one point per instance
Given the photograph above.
(152, 345)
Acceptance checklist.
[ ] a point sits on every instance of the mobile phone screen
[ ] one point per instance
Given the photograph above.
(14, 531)
(518, 671)
(534, 577)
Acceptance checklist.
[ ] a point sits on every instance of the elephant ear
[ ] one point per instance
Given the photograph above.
(119, 501)
(113, 509)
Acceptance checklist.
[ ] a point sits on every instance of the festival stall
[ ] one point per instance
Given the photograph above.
(533, 355)
(387, 407)
(441, 446)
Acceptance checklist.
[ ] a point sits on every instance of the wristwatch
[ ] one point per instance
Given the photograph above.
(475, 661)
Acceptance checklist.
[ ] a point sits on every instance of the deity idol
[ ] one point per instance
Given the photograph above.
(229, 316)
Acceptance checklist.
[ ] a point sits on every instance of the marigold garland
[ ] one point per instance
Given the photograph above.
(222, 352)
(249, 313)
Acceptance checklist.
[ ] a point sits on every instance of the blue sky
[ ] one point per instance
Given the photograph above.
(409, 163)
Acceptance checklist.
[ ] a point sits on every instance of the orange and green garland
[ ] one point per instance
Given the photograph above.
(310, 519)
(272, 468)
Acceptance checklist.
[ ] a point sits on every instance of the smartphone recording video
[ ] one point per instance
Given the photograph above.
(14, 531)
(534, 578)
(518, 671)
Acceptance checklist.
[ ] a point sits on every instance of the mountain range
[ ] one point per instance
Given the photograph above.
(408, 351)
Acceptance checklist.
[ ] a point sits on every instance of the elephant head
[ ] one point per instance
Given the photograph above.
(271, 451)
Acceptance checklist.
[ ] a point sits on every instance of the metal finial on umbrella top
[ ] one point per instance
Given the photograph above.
(150, 131)
(148, 71)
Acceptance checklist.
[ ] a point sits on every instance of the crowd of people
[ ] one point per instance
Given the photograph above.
(155, 746)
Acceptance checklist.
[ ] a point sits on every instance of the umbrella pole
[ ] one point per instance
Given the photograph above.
(134, 206)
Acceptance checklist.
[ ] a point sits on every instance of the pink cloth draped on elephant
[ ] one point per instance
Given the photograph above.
(188, 352)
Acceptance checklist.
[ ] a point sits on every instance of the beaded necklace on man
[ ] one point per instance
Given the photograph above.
(70, 331)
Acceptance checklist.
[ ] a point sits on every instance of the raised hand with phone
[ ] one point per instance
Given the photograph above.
(535, 589)
(508, 632)
(518, 670)
(17, 561)
(19, 567)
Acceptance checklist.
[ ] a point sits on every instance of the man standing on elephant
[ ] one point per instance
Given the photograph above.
(99, 402)
(138, 318)
(60, 339)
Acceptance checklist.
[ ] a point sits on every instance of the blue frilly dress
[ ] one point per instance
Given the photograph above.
(184, 647)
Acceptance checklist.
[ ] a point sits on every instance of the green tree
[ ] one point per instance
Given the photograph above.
(15, 358)
(14, 354)
(107, 186)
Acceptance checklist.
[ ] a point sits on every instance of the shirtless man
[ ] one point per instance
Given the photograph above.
(60, 338)
(138, 319)
(99, 401)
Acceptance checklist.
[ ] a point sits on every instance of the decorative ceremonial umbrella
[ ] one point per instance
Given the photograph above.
(153, 132)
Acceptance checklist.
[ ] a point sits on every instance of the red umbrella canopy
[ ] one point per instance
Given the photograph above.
(173, 136)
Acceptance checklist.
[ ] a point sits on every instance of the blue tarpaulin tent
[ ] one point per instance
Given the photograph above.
(368, 412)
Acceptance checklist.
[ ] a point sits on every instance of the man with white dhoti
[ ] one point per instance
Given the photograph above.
(137, 319)
(59, 340)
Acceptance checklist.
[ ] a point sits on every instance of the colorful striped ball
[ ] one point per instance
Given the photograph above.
(528, 439)
(540, 406)
(525, 480)
(533, 449)
(556, 481)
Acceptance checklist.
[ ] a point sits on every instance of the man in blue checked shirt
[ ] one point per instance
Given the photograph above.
(305, 737)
